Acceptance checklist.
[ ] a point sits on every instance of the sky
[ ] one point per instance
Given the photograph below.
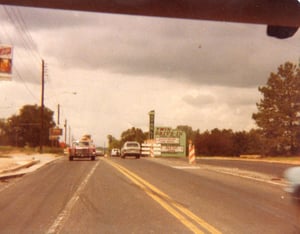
(108, 71)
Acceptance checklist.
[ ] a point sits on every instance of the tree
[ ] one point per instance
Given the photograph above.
(189, 135)
(24, 128)
(278, 113)
(254, 142)
(133, 134)
(113, 142)
(188, 131)
(215, 143)
(240, 143)
(3, 129)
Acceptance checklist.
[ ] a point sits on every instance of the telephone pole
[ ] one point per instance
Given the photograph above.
(42, 107)
(58, 114)
(66, 129)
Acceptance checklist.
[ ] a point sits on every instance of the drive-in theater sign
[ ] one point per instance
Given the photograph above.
(173, 141)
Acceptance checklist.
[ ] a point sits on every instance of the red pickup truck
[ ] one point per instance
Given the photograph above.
(83, 148)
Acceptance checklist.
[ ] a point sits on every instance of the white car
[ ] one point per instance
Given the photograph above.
(115, 152)
(292, 175)
(131, 148)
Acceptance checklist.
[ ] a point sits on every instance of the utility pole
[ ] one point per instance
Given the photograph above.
(58, 114)
(65, 131)
(42, 107)
(69, 135)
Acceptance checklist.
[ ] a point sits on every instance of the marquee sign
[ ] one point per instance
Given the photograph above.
(172, 148)
(167, 140)
(167, 132)
(173, 141)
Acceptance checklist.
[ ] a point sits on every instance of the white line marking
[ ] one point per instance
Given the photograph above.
(240, 174)
(62, 217)
(185, 167)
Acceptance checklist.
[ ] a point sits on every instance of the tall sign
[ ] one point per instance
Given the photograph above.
(6, 62)
(151, 124)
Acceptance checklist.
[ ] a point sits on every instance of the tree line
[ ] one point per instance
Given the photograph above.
(24, 129)
(209, 143)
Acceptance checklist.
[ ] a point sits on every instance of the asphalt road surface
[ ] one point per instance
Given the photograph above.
(113, 195)
(270, 168)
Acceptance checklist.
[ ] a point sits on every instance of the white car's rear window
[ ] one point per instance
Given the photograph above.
(132, 145)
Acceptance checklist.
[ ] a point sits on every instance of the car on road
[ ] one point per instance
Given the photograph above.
(131, 148)
(99, 152)
(115, 152)
(83, 148)
(292, 175)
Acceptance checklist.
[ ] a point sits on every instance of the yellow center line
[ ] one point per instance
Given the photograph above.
(167, 202)
(163, 204)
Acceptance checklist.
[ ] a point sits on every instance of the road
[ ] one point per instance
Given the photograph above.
(270, 168)
(113, 195)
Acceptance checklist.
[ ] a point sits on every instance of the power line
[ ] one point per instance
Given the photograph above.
(25, 38)
(28, 46)
(20, 25)
(27, 34)
(25, 85)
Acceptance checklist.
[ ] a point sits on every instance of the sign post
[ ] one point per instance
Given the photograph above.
(54, 134)
(151, 124)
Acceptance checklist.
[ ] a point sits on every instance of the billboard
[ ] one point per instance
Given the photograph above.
(173, 141)
(6, 54)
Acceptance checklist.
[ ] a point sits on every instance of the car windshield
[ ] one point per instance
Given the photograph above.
(83, 143)
(194, 106)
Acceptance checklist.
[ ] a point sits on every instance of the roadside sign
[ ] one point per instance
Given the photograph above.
(53, 138)
(6, 53)
(172, 141)
(56, 132)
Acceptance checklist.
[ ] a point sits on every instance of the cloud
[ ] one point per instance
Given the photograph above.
(199, 52)
(199, 100)
(203, 96)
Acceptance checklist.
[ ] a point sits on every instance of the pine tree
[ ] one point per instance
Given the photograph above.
(278, 113)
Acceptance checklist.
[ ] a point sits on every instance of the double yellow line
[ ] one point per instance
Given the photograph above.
(185, 216)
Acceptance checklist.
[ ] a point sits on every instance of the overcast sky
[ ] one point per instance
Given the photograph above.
(199, 73)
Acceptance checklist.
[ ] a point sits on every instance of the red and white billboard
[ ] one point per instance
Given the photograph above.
(6, 55)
